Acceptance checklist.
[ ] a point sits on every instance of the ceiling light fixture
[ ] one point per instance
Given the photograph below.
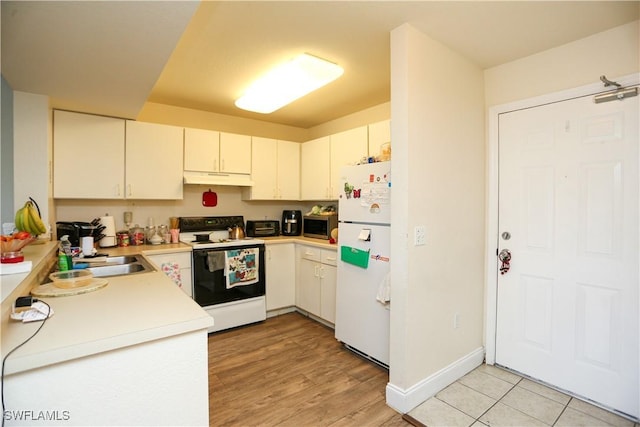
(288, 82)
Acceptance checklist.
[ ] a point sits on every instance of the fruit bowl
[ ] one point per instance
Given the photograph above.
(16, 241)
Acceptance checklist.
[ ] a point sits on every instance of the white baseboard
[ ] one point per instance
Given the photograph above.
(404, 401)
(280, 311)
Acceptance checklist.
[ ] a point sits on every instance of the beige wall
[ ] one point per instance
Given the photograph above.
(438, 179)
(32, 148)
(179, 116)
(614, 53)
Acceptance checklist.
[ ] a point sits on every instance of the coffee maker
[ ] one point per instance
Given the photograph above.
(291, 223)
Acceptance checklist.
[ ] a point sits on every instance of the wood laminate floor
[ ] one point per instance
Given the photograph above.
(290, 371)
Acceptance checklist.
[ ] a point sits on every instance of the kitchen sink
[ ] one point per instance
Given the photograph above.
(120, 265)
(127, 259)
(117, 266)
(119, 269)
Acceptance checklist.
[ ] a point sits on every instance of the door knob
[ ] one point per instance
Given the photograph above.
(505, 259)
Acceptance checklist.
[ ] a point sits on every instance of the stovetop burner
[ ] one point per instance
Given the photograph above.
(196, 224)
(212, 232)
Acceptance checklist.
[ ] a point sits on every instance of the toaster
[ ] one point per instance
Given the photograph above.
(263, 228)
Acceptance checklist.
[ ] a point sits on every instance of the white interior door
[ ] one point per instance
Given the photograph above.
(567, 310)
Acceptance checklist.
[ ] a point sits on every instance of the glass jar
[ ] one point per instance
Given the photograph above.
(136, 236)
(123, 238)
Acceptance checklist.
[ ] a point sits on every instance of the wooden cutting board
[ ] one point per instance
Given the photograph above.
(49, 290)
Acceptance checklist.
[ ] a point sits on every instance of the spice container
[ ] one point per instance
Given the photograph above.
(123, 238)
(136, 236)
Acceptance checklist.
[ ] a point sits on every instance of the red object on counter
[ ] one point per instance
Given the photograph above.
(11, 257)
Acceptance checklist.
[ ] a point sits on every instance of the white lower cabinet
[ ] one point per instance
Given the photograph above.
(316, 281)
(181, 261)
(280, 275)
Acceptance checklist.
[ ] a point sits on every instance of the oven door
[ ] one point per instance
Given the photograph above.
(210, 284)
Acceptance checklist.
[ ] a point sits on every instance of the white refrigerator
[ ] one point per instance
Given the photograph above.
(362, 292)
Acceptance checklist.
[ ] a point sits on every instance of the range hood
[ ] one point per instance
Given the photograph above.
(213, 178)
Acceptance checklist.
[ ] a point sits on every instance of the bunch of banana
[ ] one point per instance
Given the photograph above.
(28, 219)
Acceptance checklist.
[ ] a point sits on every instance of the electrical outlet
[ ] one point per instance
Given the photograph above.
(420, 235)
(456, 320)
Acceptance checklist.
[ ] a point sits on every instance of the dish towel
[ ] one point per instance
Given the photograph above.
(215, 261)
(172, 270)
(242, 266)
(384, 290)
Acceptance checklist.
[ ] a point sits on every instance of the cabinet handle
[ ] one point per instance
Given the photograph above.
(222, 165)
(117, 189)
(331, 258)
(315, 271)
(321, 272)
(215, 165)
(129, 193)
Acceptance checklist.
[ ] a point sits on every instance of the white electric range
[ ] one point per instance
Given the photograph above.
(228, 275)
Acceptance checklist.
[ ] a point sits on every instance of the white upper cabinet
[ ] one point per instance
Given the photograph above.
(347, 148)
(288, 170)
(88, 155)
(154, 155)
(235, 153)
(322, 159)
(379, 133)
(201, 150)
(275, 170)
(264, 173)
(315, 167)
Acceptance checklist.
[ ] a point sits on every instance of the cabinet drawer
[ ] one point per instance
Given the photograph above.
(310, 253)
(329, 257)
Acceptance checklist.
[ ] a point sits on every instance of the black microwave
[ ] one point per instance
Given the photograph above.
(319, 226)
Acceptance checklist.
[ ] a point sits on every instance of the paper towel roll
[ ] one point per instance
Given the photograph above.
(109, 232)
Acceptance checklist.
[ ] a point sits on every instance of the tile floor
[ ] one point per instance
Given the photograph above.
(495, 397)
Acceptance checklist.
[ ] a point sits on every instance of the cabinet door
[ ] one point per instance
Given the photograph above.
(347, 148)
(264, 165)
(167, 263)
(314, 169)
(308, 279)
(201, 150)
(308, 286)
(88, 156)
(328, 277)
(280, 275)
(288, 178)
(235, 153)
(379, 133)
(154, 161)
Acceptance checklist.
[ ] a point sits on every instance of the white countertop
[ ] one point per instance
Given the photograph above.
(321, 243)
(130, 310)
(36, 253)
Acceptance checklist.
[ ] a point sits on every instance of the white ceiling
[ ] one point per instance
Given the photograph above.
(111, 57)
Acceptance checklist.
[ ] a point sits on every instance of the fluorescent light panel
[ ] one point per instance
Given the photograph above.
(288, 82)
